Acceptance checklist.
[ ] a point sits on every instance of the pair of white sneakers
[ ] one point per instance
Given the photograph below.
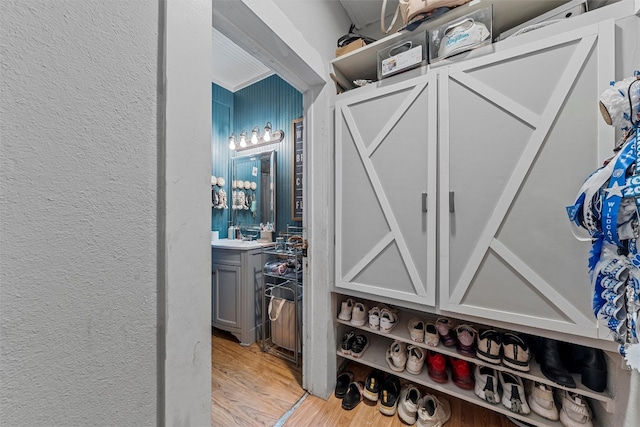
(513, 393)
(421, 331)
(400, 357)
(381, 318)
(427, 410)
(354, 312)
(574, 412)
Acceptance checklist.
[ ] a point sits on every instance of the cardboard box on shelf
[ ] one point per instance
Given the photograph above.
(357, 44)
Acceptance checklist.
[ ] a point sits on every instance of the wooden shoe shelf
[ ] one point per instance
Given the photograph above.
(375, 357)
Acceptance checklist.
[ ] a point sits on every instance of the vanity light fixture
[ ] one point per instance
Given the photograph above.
(269, 137)
(267, 132)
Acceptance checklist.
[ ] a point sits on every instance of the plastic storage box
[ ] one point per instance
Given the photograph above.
(410, 52)
(462, 34)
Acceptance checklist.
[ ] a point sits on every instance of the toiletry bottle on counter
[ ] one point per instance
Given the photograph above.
(231, 233)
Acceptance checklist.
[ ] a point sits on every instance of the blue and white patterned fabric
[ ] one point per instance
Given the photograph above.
(607, 207)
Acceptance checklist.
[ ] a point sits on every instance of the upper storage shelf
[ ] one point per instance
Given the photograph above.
(361, 63)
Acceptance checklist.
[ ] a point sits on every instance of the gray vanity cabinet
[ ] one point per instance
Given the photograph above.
(236, 280)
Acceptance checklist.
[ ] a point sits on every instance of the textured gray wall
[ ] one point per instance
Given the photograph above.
(78, 203)
(186, 235)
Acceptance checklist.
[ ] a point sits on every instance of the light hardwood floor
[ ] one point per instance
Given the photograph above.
(248, 387)
(252, 388)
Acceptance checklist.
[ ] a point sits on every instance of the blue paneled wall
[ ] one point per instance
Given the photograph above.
(270, 100)
(222, 119)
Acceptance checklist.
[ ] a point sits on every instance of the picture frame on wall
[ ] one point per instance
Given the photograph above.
(297, 172)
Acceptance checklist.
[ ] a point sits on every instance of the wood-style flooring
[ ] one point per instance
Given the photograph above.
(252, 388)
(249, 387)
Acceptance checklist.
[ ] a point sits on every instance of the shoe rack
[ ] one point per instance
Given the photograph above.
(375, 357)
(282, 329)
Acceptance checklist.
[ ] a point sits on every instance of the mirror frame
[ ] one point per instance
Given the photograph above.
(261, 156)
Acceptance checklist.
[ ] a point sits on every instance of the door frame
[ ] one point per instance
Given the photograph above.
(267, 34)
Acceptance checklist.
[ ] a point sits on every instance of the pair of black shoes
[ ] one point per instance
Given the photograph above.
(378, 385)
(375, 386)
(558, 360)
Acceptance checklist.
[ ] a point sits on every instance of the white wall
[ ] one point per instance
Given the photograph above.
(321, 22)
(79, 212)
(104, 244)
(186, 241)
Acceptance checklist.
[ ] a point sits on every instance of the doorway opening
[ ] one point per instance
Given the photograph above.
(284, 67)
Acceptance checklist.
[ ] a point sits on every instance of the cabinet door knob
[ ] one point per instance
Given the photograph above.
(424, 202)
(452, 207)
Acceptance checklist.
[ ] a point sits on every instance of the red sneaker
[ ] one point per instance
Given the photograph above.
(437, 367)
(461, 373)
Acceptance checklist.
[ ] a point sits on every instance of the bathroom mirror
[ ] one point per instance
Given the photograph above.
(253, 190)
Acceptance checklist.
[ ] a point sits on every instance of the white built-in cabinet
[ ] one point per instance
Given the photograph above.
(386, 163)
(451, 187)
(518, 134)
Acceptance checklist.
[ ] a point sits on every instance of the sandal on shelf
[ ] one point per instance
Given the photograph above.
(359, 346)
(353, 396)
(347, 342)
(342, 383)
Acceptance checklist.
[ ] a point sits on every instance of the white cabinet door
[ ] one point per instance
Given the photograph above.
(385, 197)
(520, 130)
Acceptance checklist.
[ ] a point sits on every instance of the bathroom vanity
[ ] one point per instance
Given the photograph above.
(236, 293)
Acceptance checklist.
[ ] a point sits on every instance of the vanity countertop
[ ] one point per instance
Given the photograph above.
(238, 244)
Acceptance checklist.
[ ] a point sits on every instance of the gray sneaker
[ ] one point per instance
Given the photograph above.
(513, 396)
(486, 386)
(575, 410)
(432, 412)
(408, 404)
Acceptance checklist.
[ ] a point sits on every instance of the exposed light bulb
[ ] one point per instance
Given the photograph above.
(243, 139)
(232, 142)
(267, 132)
(254, 135)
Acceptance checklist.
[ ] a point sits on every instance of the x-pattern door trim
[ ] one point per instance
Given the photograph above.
(421, 93)
(542, 125)
(395, 232)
